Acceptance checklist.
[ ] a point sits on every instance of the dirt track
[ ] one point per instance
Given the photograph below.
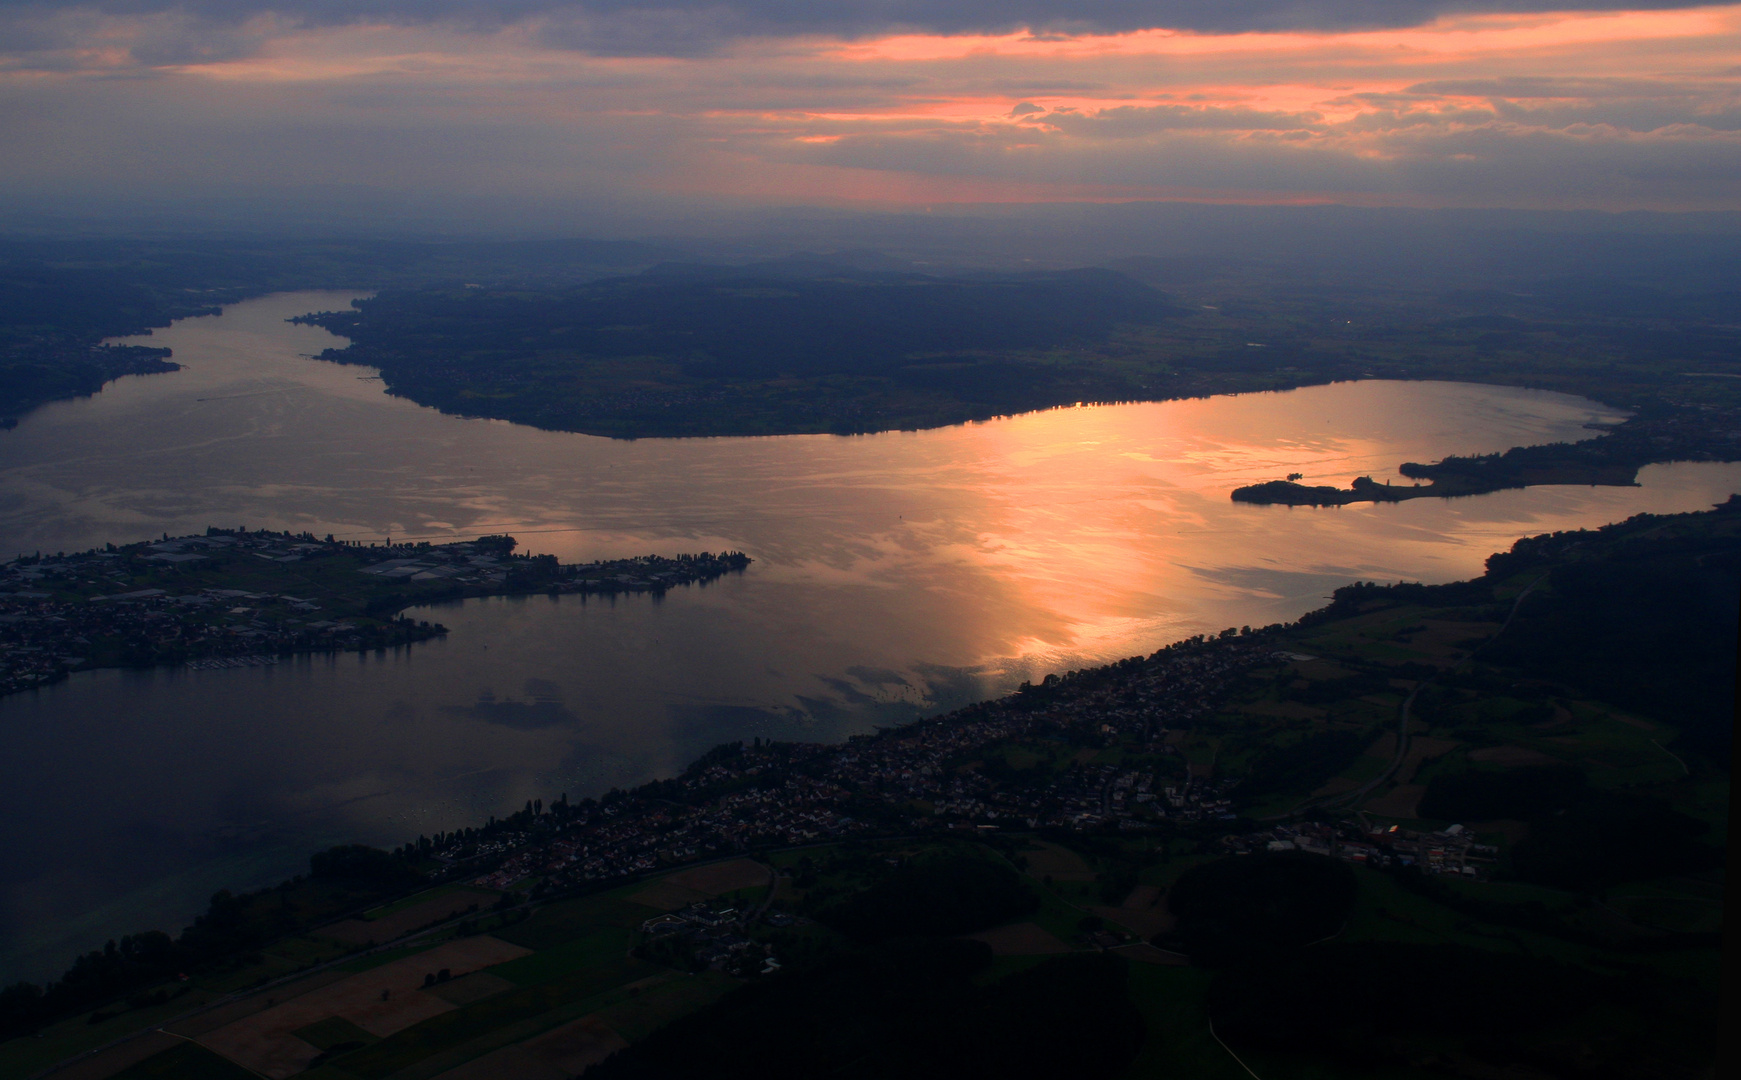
(416, 917)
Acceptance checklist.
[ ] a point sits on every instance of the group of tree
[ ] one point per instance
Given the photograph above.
(1579, 838)
(933, 897)
(231, 926)
(908, 1009)
(1235, 910)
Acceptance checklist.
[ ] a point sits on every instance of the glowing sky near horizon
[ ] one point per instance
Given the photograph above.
(1613, 109)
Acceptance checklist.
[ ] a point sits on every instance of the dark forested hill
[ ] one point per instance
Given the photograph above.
(1645, 620)
(686, 350)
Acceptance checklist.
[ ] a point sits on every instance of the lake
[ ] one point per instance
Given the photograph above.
(895, 575)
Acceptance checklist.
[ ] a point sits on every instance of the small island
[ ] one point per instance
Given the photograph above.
(235, 598)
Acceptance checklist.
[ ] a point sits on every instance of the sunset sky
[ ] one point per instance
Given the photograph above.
(876, 103)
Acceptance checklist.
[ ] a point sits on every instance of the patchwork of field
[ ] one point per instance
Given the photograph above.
(1404, 799)
(1423, 748)
(1443, 643)
(212, 1019)
(382, 1001)
(556, 1055)
(1336, 785)
(469, 988)
(117, 1059)
(548, 996)
(534, 996)
(667, 896)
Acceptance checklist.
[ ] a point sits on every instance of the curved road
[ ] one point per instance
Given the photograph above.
(1402, 729)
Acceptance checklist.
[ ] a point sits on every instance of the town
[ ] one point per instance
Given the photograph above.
(1451, 850)
(931, 777)
(234, 598)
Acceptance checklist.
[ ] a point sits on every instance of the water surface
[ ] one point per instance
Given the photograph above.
(895, 574)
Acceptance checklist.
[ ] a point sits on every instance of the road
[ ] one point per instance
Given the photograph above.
(1402, 728)
(773, 888)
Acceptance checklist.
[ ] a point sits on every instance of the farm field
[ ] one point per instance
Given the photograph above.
(545, 998)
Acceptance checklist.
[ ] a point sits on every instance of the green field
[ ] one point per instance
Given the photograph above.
(188, 1061)
(413, 900)
(333, 1031)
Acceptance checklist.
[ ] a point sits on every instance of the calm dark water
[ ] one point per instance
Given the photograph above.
(895, 575)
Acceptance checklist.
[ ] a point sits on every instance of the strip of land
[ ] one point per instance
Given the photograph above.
(1711, 433)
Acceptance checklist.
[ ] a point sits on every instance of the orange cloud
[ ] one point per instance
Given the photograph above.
(1609, 109)
(1459, 36)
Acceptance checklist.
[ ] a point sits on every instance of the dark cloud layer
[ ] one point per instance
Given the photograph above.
(119, 102)
(682, 25)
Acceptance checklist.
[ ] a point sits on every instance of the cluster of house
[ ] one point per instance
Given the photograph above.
(1200, 798)
(63, 612)
(712, 934)
(917, 778)
(1085, 797)
(633, 836)
(448, 562)
(1451, 850)
(492, 566)
(122, 606)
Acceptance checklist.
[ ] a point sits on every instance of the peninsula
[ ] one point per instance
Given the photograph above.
(788, 347)
(1710, 432)
(235, 598)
